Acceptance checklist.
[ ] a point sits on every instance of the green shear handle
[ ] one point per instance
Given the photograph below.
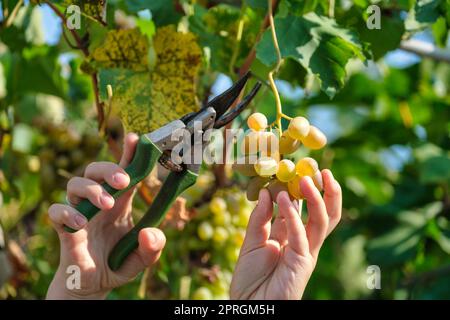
(174, 185)
(147, 153)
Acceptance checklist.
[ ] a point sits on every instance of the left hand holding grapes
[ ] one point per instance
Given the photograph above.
(277, 259)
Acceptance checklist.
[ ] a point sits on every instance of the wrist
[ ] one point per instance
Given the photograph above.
(61, 289)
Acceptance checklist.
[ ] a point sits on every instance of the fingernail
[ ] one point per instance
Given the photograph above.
(308, 179)
(80, 220)
(107, 200)
(120, 178)
(152, 237)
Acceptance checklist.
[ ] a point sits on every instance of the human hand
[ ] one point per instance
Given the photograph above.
(277, 260)
(88, 248)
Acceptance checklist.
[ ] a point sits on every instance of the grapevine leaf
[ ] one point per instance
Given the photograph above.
(436, 170)
(147, 100)
(217, 30)
(385, 39)
(163, 12)
(298, 7)
(427, 10)
(425, 13)
(95, 9)
(318, 43)
(36, 70)
(120, 49)
(440, 32)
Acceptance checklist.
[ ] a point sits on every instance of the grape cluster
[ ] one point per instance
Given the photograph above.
(220, 227)
(263, 157)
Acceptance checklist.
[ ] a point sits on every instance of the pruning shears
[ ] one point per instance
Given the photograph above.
(157, 146)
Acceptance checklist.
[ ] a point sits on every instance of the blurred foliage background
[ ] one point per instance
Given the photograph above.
(384, 110)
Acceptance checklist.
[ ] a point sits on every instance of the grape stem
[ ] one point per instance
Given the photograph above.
(273, 86)
(331, 8)
(13, 14)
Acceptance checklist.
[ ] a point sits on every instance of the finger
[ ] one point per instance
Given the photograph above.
(151, 244)
(113, 174)
(258, 229)
(83, 188)
(278, 231)
(129, 147)
(317, 225)
(332, 198)
(296, 234)
(62, 215)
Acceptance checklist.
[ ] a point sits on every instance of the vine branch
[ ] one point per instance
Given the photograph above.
(80, 45)
(275, 70)
(13, 13)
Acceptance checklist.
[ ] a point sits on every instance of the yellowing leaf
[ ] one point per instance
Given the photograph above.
(121, 49)
(147, 100)
(92, 8)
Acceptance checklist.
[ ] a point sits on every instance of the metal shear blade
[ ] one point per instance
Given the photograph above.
(225, 100)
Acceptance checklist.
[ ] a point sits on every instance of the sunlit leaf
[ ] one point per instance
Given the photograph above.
(121, 49)
(321, 47)
(148, 100)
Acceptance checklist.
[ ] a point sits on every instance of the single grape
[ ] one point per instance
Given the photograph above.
(34, 163)
(223, 219)
(232, 253)
(257, 121)
(202, 293)
(306, 167)
(249, 144)
(205, 231)
(315, 139)
(220, 235)
(287, 143)
(266, 166)
(268, 143)
(294, 188)
(238, 237)
(275, 187)
(253, 187)
(286, 170)
(217, 205)
(243, 217)
(298, 128)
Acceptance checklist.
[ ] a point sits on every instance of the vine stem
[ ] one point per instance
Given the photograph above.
(83, 48)
(331, 8)
(275, 70)
(13, 13)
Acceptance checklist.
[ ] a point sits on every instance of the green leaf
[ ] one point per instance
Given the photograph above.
(318, 43)
(395, 247)
(163, 11)
(217, 29)
(435, 169)
(37, 70)
(385, 39)
(297, 7)
(440, 32)
(95, 9)
(257, 4)
(424, 13)
(427, 10)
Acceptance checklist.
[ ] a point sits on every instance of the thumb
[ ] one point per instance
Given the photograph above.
(151, 243)
(129, 147)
